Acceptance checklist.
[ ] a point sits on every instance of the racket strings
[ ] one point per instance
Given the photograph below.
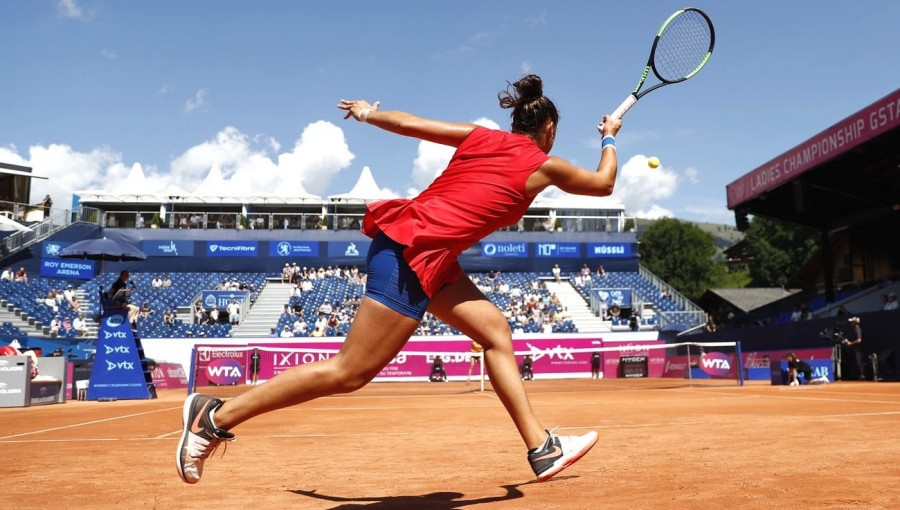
(683, 46)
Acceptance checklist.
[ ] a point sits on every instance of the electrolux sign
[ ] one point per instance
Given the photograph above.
(231, 248)
(497, 250)
(558, 250)
(609, 250)
(293, 249)
(168, 248)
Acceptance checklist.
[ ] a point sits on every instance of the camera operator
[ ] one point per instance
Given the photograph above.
(855, 344)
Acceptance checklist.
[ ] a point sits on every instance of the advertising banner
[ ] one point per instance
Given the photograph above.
(621, 297)
(609, 250)
(168, 248)
(231, 249)
(499, 250)
(117, 371)
(67, 268)
(558, 250)
(298, 249)
(169, 376)
(348, 248)
(222, 298)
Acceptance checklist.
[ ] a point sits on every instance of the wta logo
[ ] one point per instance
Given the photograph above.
(715, 363)
(224, 371)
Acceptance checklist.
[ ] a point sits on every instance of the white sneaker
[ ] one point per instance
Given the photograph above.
(200, 437)
(558, 453)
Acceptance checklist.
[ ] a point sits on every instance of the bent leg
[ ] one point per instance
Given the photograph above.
(375, 337)
(464, 307)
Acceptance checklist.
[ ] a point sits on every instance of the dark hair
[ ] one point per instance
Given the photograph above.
(531, 108)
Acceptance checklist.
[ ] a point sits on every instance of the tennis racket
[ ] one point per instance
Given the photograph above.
(681, 48)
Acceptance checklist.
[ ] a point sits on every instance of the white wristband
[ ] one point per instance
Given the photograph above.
(364, 115)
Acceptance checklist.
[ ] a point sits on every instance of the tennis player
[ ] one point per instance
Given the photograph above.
(412, 267)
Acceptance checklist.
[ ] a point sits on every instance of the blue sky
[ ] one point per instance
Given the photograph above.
(92, 87)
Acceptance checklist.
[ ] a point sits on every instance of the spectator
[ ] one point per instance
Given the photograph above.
(156, 283)
(318, 332)
(21, 275)
(891, 303)
(214, 315)
(169, 318)
(167, 282)
(50, 301)
(66, 325)
(711, 325)
(602, 272)
(300, 326)
(585, 272)
(325, 308)
(285, 333)
(146, 311)
(54, 326)
(234, 312)
(7, 275)
(71, 298)
(556, 272)
(286, 273)
(805, 314)
(273, 333)
(796, 315)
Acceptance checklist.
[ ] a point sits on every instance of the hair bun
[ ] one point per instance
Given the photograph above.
(529, 88)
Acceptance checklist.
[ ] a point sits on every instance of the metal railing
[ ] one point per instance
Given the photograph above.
(689, 308)
(58, 219)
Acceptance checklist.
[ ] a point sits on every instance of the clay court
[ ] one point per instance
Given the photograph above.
(757, 446)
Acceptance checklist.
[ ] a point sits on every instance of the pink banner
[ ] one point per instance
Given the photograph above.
(168, 376)
(878, 118)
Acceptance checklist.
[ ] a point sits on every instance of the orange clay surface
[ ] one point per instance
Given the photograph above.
(757, 446)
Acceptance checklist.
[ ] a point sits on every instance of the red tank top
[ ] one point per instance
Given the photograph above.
(482, 189)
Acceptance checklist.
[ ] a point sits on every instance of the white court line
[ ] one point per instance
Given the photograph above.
(420, 433)
(85, 423)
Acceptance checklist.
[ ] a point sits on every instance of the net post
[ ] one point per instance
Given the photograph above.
(740, 363)
(193, 367)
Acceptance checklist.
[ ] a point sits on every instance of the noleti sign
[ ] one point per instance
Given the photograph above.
(874, 120)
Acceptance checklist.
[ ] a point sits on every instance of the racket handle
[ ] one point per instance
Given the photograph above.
(622, 109)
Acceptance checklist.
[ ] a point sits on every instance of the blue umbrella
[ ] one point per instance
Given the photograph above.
(102, 249)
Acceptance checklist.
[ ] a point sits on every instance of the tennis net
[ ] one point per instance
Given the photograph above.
(228, 370)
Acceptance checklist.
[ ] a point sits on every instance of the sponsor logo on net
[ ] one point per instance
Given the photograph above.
(225, 371)
(209, 354)
(715, 363)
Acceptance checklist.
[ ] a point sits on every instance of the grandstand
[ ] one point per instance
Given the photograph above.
(194, 239)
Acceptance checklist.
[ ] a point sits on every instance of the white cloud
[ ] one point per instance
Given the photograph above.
(654, 213)
(526, 67)
(198, 102)
(433, 158)
(70, 9)
(109, 54)
(244, 161)
(640, 187)
(165, 88)
(692, 175)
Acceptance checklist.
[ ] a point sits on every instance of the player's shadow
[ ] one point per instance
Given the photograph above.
(431, 501)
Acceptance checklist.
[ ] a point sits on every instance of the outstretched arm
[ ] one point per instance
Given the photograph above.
(402, 123)
(572, 179)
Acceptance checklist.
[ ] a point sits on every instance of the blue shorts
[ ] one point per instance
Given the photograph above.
(391, 281)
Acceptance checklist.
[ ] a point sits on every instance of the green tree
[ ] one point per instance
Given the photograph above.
(681, 254)
(778, 249)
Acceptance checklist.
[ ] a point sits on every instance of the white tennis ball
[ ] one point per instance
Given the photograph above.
(653, 162)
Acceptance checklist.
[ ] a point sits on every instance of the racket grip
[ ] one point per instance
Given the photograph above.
(622, 109)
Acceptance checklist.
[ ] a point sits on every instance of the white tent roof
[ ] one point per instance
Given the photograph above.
(365, 190)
